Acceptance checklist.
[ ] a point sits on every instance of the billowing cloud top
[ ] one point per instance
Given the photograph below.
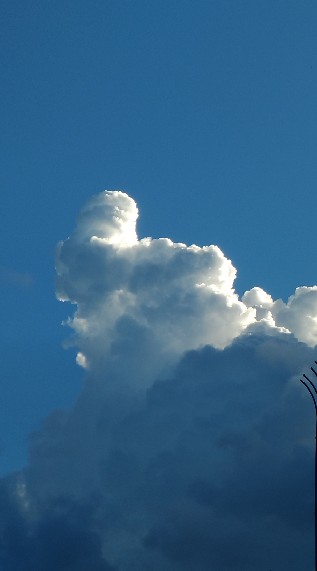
(190, 442)
(155, 295)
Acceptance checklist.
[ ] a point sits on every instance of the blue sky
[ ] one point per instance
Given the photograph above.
(204, 112)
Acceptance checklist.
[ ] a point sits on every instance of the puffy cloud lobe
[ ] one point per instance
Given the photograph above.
(298, 315)
(128, 290)
(109, 217)
(190, 442)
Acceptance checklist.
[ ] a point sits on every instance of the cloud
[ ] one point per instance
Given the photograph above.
(61, 538)
(190, 446)
(10, 276)
(148, 294)
(298, 315)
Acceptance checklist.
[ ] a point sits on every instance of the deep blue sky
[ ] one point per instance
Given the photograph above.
(204, 112)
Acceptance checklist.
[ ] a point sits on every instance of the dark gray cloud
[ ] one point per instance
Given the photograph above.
(61, 537)
(212, 469)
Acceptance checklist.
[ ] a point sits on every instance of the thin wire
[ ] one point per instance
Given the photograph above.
(310, 382)
(310, 392)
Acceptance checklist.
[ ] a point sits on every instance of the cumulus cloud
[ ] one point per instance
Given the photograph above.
(190, 442)
(298, 315)
(131, 293)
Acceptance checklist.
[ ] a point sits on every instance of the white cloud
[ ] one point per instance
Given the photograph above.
(190, 441)
(169, 296)
(81, 360)
(299, 314)
(135, 295)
